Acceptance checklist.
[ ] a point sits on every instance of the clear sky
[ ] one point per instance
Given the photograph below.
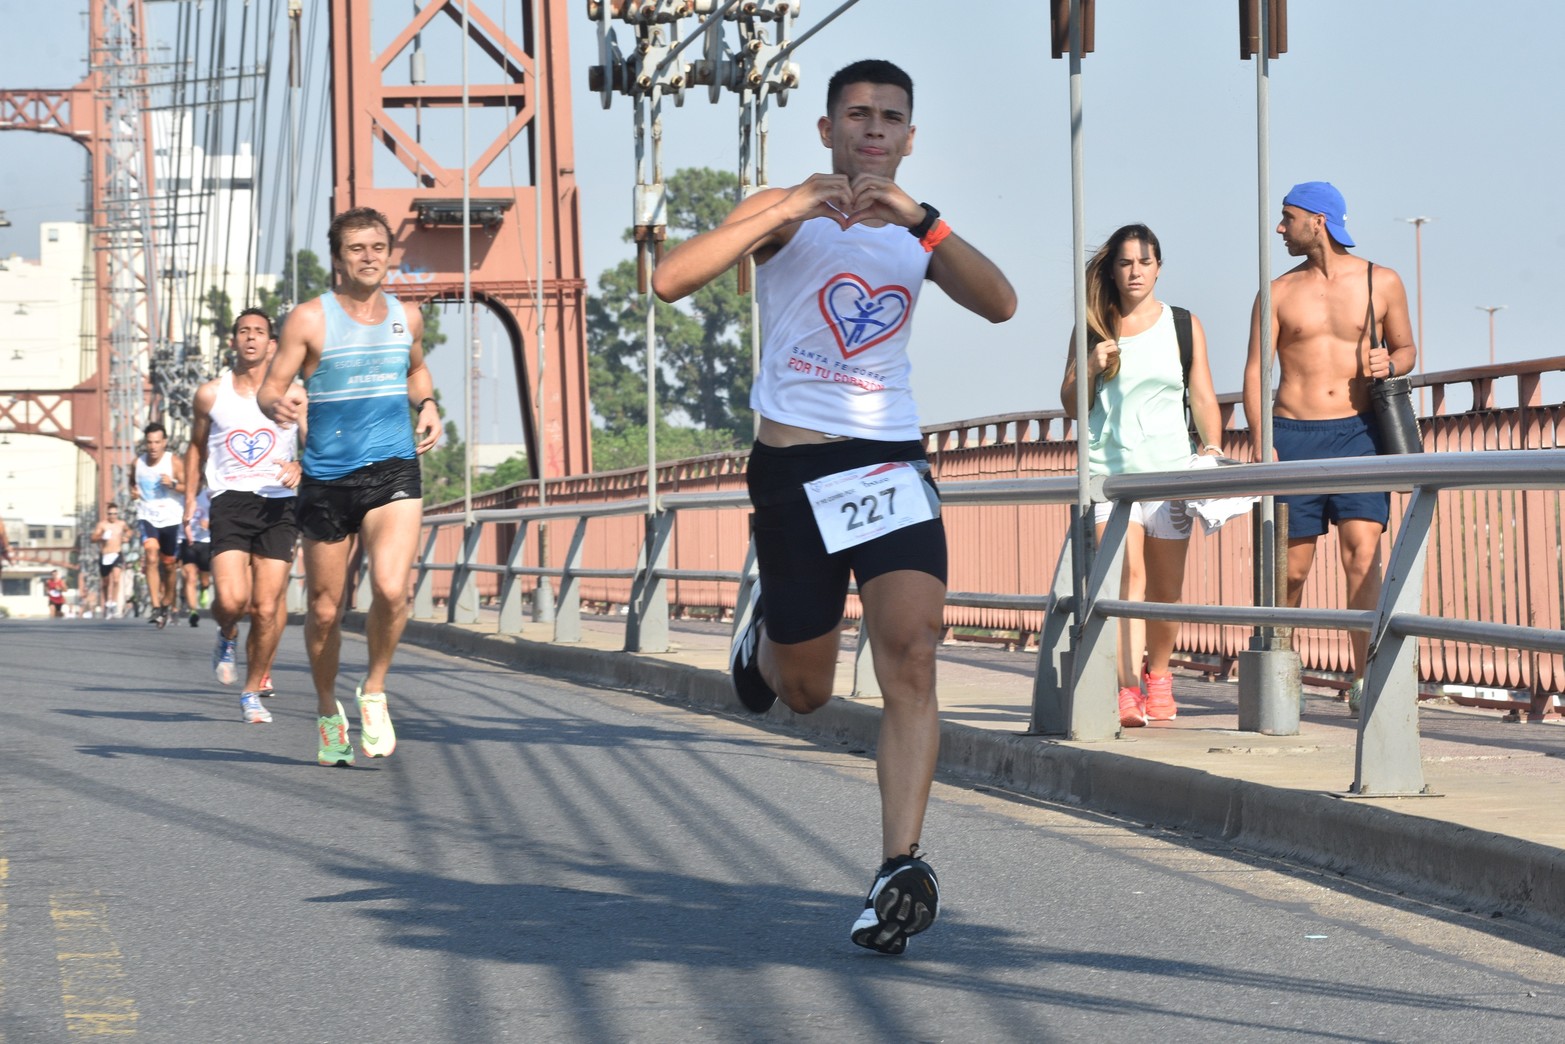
(1434, 108)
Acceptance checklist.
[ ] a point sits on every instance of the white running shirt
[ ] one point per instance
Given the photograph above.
(836, 314)
(245, 450)
(159, 506)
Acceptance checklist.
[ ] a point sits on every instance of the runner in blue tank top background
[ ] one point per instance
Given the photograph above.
(361, 356)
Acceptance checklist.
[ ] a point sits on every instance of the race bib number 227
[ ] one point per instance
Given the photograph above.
(861, 504)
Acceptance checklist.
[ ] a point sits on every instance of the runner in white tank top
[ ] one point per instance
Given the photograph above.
(155, 485)
(837, 279)
(246, 450)
(251, 466)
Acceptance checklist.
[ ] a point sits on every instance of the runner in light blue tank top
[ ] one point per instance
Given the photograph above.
(371, 411)
(359, 393)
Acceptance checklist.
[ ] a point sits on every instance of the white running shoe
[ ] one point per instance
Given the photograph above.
(376, 736)
(254, 713)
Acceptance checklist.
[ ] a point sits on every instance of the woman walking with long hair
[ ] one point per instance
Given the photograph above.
(1137, 423)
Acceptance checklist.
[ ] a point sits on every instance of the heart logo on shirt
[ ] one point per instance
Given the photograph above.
(862, 316)
(252, 447)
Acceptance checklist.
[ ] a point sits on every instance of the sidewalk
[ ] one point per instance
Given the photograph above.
(1491, 839)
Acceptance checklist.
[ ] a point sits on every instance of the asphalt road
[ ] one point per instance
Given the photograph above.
(541, 861)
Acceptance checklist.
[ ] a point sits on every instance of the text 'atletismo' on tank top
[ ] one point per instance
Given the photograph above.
(358, 411)
(245, 449)
(836, 314)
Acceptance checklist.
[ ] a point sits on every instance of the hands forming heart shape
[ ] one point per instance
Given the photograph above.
(867, 197)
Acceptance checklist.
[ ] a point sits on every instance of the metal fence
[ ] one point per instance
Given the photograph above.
(1496, 554)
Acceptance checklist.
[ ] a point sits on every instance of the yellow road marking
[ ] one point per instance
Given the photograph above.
(92, 980)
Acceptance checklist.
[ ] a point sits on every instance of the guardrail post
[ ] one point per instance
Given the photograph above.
(359, 576)
(295, 601)
(462, 603)
(567, 608)
(646, 629)
(1270, 686)
(1050, 694)
(1094, 654)
(866, 685)
(1387, 763)
(424, 588)
(511, 584)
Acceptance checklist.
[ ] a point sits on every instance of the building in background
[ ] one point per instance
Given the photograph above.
(46, 343)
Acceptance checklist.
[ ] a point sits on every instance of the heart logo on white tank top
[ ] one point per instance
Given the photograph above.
(862, 316)
(251, 447)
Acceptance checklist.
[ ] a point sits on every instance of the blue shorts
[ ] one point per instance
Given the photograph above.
(1309, 513)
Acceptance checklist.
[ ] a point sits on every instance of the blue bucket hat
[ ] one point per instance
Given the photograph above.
(1321, 197)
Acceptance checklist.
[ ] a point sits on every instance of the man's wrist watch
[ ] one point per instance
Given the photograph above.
(920, 230)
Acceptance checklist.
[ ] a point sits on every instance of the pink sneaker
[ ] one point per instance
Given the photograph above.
(1132, 708)
(1160, 697)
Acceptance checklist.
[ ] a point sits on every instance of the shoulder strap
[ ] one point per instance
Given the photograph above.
(1186, 339)
(1369, 270)
(1186, 343)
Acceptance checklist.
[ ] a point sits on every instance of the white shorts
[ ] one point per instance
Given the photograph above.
(1162, 519)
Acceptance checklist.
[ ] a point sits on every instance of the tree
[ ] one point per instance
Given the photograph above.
(627, 447)
(314, 280)
(703, 343)
(218, 314)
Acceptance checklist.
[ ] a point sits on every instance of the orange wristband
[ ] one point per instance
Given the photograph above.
(935, 236)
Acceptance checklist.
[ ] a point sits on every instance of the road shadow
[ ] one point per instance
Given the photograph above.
(613, 918)
(156, 717)
(111, 750)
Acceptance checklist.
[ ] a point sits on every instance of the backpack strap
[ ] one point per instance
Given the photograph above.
(1186, 343)
(1182, 333)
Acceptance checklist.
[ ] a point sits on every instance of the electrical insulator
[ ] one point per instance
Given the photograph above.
(1060, 26)
(1250, 27)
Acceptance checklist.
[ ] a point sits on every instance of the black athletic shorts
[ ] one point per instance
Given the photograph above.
(257, 525)
(332, 510)
(803, 587)
(168, 537)
(116, 560)
(197, 553)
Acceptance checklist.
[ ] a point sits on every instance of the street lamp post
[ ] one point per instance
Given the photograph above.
(1491, 309)
(1418, 224)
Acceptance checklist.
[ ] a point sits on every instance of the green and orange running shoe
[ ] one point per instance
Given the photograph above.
(336, 748)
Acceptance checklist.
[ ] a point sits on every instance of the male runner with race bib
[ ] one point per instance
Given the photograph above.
(838, 475)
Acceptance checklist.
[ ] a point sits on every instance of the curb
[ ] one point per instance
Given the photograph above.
(1469, 869)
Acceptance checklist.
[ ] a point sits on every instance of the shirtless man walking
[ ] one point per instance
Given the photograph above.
(110, 535)
(361, 355)
(157, 484)
(841, 259)
(1338, 322)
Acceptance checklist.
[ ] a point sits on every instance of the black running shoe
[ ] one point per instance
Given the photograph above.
(195, 618)
(160, 617)
(744, 662)
(903, 901)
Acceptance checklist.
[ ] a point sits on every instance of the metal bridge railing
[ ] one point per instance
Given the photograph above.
(1074, 685)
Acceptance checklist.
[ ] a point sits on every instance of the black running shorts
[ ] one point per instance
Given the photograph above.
(257, 525)
(803, 587)
(197, 553)
(333, 510)
(167, 537)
